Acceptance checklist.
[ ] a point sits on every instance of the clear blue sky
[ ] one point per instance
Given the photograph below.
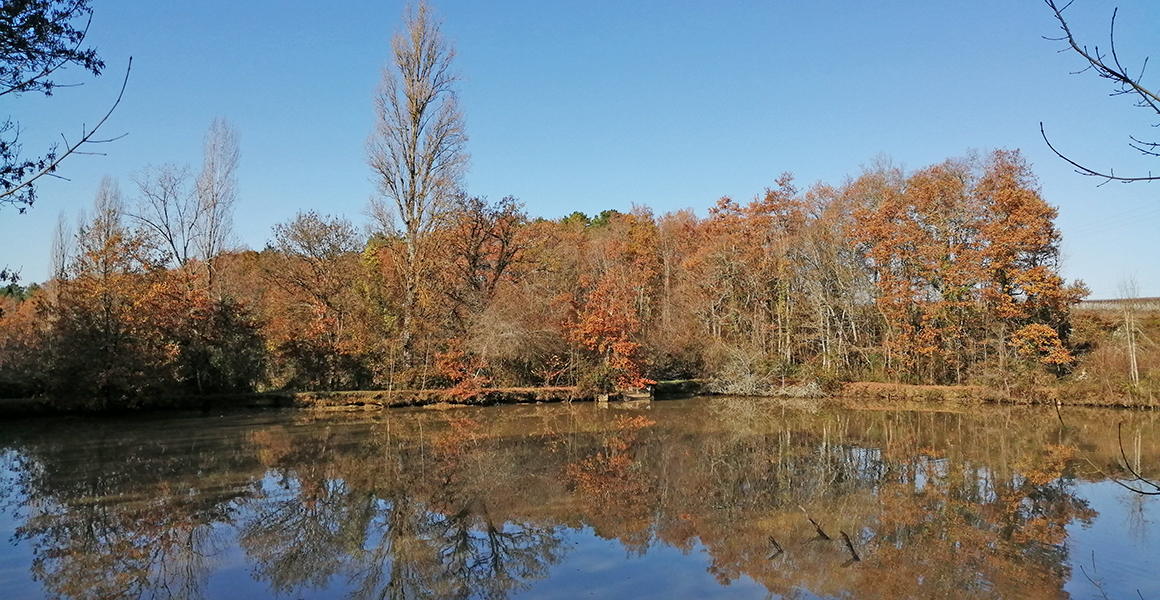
(592, 105)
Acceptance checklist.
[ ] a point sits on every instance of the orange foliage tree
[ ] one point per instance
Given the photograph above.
(315, 311)
(619, 298)
(119, 326)
(104, 338)
(965, 253)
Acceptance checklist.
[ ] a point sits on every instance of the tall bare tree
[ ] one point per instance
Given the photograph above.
(417, 150)
(1129, 293)
(217, 191)
(193, 222)
(62, 241)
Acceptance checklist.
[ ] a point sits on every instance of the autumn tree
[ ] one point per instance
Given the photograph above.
(22, 329)
(617, 299)
(1022, 290)
(103, 343)
(779, 292)
(481, 243)
(835, 325)
(965, 258)
(748, 273)
(748, 282)
(675, 341)
(520, 327)
(924, 245)
(314, 263)
(118, 326)
(190, 222)
(417, 151)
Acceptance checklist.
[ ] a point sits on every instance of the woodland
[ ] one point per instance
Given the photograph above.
(948, 274)
(945, 275)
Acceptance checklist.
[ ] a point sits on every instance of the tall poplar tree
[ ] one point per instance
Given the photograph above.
(417, 150)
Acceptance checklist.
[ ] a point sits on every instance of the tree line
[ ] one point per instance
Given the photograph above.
(948, 274)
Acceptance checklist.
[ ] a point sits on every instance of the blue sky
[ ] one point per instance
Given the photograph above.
(593, 105)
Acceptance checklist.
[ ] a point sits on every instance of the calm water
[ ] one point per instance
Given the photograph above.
(702, 498)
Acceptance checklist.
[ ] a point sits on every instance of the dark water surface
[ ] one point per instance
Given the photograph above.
(701, 498)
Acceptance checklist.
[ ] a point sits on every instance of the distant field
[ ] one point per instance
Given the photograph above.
(1118, 304)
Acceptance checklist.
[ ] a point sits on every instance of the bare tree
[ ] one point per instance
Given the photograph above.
(169, 209)
(417, 150)
(217, 191)
(1107, 65)
(62, 243)
(309, 250)
(1129, 292)
(193, 222)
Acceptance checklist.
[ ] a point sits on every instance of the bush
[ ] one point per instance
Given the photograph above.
(597, 380)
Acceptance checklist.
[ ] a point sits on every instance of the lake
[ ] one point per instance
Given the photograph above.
(699, 498)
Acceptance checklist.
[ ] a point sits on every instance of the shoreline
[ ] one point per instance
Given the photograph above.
(870, 395)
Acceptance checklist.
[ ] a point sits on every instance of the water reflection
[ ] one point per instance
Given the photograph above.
(385, 527)
(489, 503)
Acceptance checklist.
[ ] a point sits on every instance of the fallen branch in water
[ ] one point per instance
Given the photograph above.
(818, 528)
(777, 549)
(850, 546)
(1128, 465)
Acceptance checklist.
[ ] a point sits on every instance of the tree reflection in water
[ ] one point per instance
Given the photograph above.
(479, 502)
(105, 519)
(389, 530)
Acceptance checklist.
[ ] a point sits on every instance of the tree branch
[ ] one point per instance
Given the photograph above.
(1128, 465)
(1126, 84)
(86, 138)
(1088, 172)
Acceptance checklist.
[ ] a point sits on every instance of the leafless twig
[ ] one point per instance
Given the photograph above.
(1099, 583)
(777, 549)
(1128, 466)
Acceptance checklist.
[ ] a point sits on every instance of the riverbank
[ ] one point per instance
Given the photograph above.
(1023, 395)
(345, 400)
(853, 395)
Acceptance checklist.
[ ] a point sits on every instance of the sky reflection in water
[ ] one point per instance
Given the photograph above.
(679, 500)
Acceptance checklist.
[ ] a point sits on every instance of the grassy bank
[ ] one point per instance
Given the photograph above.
(1063, 395)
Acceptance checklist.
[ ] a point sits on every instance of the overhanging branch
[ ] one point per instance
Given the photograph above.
(1110, 175)
(87, 137)
(1107, 66)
